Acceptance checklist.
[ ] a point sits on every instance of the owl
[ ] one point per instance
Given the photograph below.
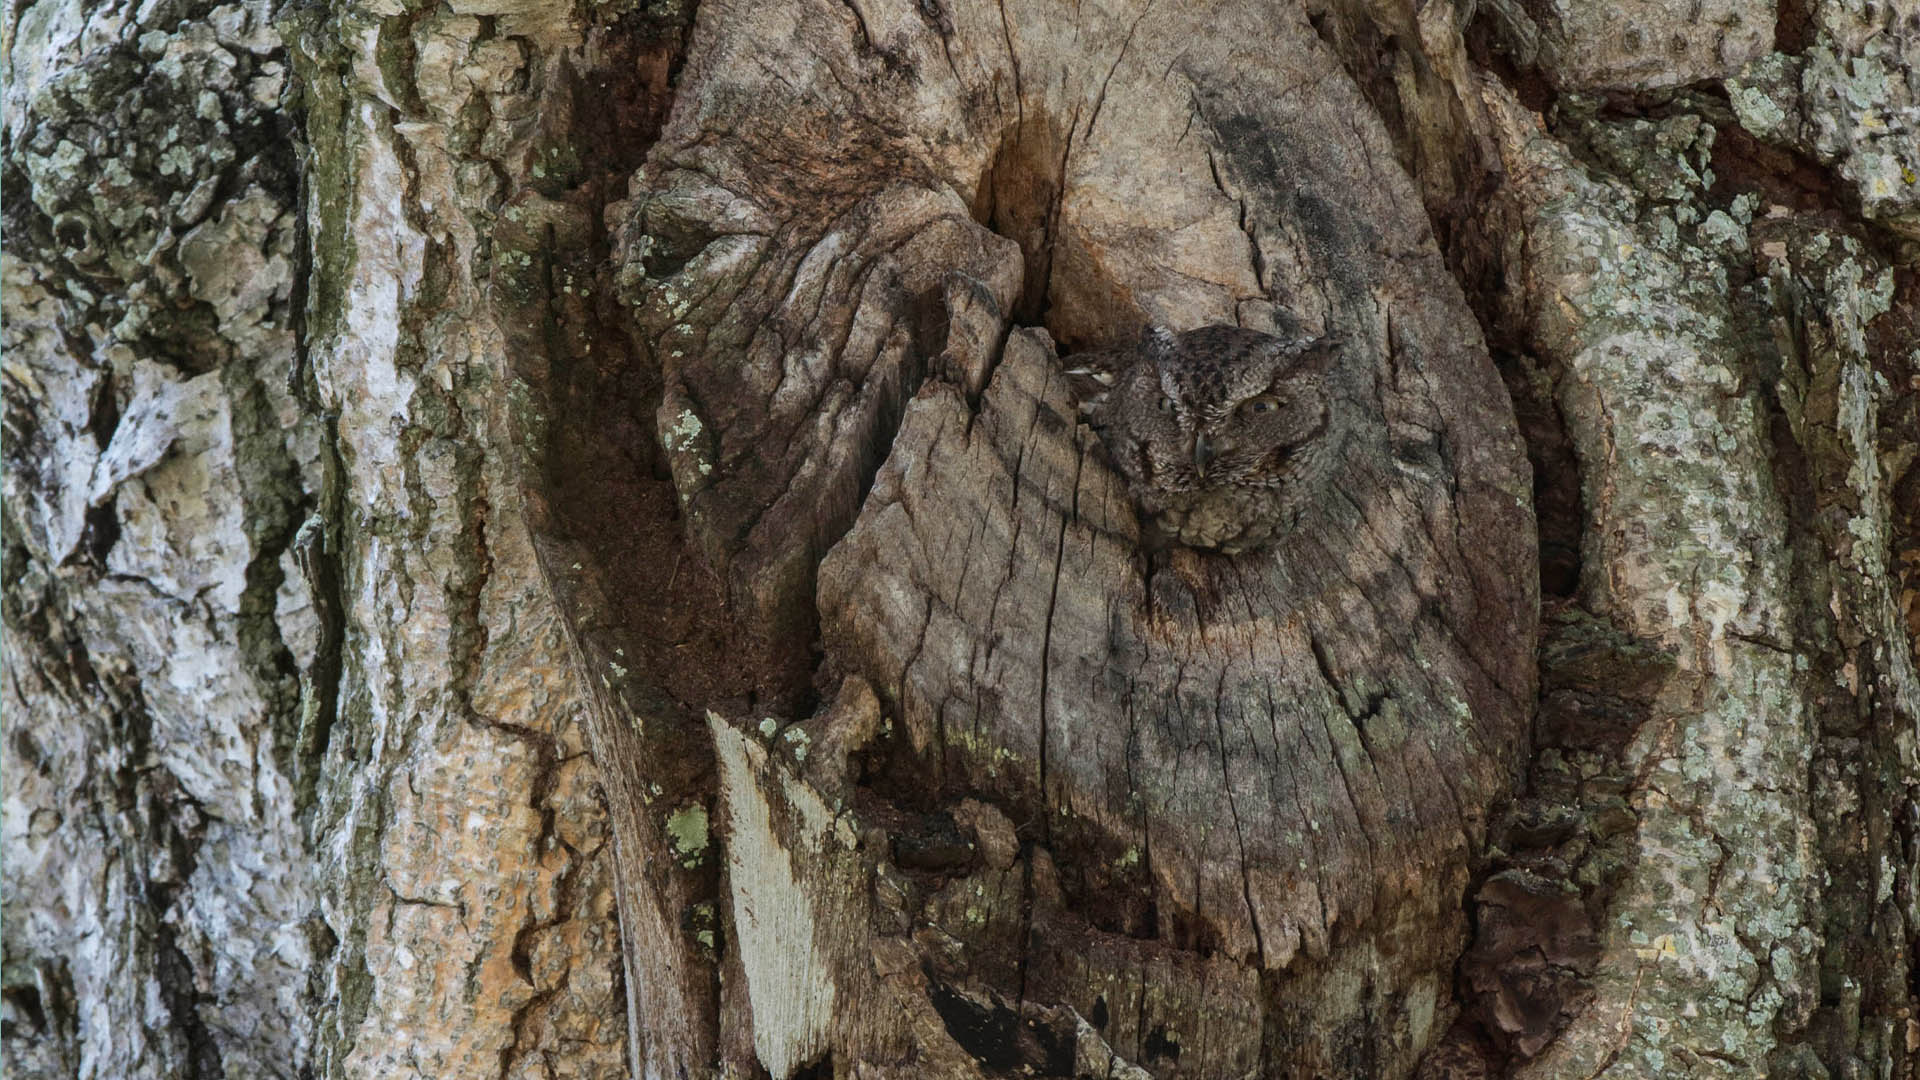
(1223, 435)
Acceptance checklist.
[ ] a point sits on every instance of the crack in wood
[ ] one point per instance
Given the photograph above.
(1101, 97)
(1233, 809)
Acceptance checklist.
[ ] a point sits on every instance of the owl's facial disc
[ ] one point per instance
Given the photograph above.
(1251, 444)
(1213, 431)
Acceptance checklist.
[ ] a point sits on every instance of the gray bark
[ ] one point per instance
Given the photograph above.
(154, 920)
(552, 541)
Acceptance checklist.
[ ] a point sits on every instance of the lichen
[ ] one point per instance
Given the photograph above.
(687, 833)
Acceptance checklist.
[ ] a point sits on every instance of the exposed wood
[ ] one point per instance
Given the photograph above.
(1261, 767)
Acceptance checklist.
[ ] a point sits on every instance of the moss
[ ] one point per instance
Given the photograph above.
(317, 53)
(1756, 94)
(702, 921)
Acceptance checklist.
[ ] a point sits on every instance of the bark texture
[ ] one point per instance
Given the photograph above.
(155, 924)
(285, 794)
(551, 540)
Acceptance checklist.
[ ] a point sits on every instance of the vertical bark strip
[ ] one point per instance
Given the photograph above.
(471, 910)
(155, 466)
(1713, 919)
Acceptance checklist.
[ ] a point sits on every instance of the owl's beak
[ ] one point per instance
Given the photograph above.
(1202, 453)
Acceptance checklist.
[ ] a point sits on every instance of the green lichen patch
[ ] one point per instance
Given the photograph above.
(688, 834)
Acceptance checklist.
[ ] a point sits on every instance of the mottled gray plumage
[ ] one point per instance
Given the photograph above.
(1223, 434)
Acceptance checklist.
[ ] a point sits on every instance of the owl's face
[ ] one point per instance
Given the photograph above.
(1225, 436)
(1214, 410)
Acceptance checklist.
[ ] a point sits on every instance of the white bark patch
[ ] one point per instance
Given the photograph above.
(171, 464)
(162, 405)
(43, 379)
(234, 267)
(366, 383)
(789, 982)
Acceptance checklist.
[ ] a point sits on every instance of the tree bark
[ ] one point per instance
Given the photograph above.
(551, 540)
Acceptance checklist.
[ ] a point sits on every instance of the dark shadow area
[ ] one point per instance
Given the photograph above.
(1020, 198)
(608, 493)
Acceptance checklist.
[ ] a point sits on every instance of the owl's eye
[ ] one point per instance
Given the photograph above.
(1166, 404)
(1265, 403)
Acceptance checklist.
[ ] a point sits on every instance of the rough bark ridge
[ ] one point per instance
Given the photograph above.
(154, 460)
(1733, 893)
(472, 905)
(1714, 357)
(295, 785)
(1269, 770)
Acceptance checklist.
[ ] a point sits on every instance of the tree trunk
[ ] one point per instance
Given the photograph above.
(555, 541)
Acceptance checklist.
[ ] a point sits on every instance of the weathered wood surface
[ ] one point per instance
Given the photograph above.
(1266, 771)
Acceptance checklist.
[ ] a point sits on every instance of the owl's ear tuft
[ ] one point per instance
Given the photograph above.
(1315, 357)
(1158, 341)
